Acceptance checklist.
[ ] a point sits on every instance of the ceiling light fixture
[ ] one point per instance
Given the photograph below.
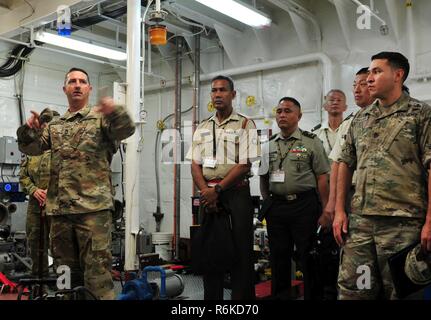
(239, 11)
(80, 46)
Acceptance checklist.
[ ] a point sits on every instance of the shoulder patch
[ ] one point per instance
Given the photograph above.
(241, 115)
(308, 134)
(316, 127)
(206, 119)
(272, 137)
(348, 117)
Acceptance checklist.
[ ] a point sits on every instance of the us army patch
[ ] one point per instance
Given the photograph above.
(308, 134)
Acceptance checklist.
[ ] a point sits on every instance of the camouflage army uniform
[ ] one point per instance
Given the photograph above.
(236, 142)
(80, 193)
(34, 174)
(390, 148)
(295, 209)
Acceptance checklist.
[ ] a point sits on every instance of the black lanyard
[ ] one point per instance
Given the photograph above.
(214, 139)
(327, 139)
(284, 156)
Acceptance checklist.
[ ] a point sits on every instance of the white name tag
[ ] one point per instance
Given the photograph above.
(210, 163)
(277, 176)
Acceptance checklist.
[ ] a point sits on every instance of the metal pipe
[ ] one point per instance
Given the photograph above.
(320, 57)
(149, 67)
(143, 39)
(411, 36)
(196, 89)
(143, 36)
(132, 155)
(196, 96)
(177, 148)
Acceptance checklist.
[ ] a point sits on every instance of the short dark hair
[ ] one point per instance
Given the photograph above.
(77, 69)
(226, 78)
(363, 70)
(396, 60)
(293, 100)
(336, 90)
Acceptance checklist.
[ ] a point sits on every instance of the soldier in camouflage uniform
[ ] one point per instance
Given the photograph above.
(34, 179)
(389, 145)
(80, 192)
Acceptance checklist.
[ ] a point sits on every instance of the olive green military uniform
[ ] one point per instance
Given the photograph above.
(303, 160)
(390, 147)
(34, 174)
(295, 208)
(80, 192)
(236, 141)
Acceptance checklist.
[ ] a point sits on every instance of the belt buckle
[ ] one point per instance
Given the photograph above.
(291, 197)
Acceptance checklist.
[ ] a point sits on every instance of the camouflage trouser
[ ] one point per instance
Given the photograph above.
(33, 231)
(371, 241)
(83, 242)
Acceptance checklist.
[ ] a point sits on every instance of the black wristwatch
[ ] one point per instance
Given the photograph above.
(217, 188)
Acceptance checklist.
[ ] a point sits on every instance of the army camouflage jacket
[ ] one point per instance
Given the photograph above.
(391, 150)
(82, 144)
(34, 174)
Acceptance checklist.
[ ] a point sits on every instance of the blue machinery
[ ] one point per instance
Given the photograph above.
(171, 285)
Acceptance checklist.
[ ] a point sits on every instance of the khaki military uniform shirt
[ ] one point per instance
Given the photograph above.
(34, 174)
(327, 136)
(304, 160)
(341, 140)
(391, 150)
(82, 144)
(233, 144)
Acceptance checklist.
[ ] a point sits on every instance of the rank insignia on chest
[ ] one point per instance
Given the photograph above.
(298, 150)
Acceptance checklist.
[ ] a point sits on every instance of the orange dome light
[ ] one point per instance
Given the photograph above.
(158, 35)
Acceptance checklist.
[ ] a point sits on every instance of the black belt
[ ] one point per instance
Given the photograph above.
(294, 196)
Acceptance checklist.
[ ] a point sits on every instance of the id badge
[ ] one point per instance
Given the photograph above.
(210, 163)
(277, 176)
